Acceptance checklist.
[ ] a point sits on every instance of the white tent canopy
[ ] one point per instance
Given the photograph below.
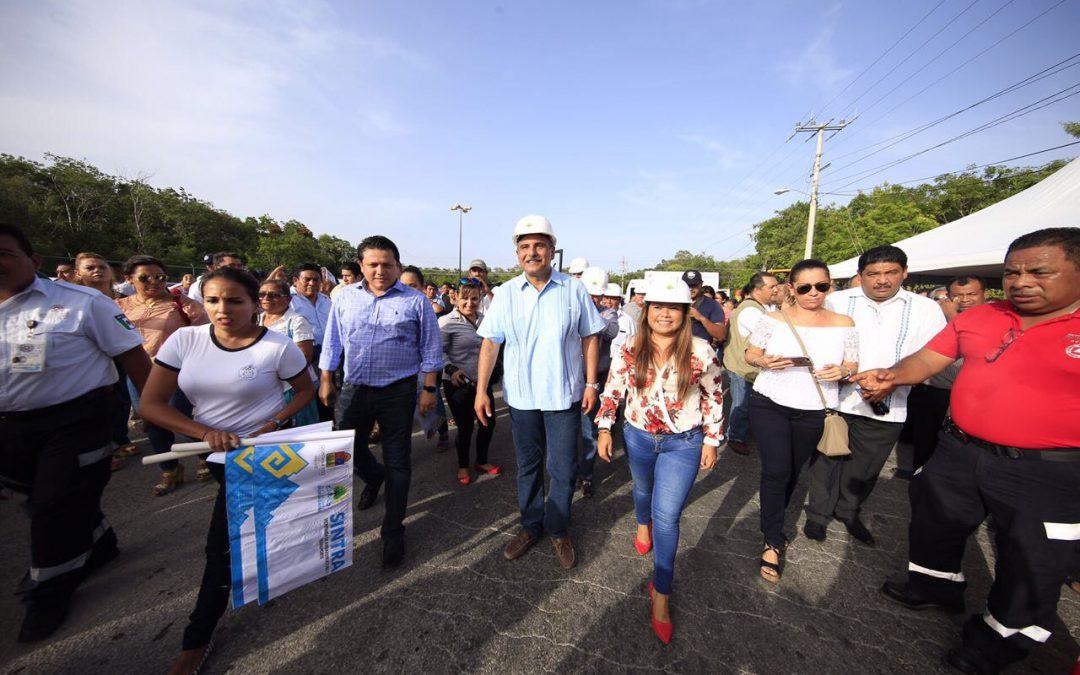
(976, 244)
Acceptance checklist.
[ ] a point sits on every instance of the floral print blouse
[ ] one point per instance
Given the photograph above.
(658, 410)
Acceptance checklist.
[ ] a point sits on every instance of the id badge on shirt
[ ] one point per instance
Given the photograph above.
(29, 355)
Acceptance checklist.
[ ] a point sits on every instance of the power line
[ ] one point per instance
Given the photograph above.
(881, 56)
(976, 168)
(898, 138)
(959, 67)
(1020, 112)
(936, 57)
(911, 54)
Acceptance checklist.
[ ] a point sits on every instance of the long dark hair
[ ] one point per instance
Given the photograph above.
(242, 277)
(645, 353)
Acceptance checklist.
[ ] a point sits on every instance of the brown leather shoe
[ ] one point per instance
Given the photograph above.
(521, 542)
(564, 551)
(739, 447)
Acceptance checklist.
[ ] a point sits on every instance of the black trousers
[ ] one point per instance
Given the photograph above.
(460, 400)
(1036, 511)
(840, 485)
(392, 406)
(787, 439)
(927, 407)
(213, 596)
(59, 458)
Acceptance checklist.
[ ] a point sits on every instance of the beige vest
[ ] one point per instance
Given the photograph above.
(735, 351)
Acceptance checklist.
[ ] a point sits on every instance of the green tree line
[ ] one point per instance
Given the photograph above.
(68, 205)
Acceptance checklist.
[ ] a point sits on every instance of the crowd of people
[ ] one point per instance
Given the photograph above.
(812, 376)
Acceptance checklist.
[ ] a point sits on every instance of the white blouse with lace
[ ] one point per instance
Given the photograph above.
(794, 387)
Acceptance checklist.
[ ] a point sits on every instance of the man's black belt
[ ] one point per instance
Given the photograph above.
(1010, 452)
(59, 408)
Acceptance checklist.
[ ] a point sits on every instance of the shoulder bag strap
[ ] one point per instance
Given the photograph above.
(798, 339)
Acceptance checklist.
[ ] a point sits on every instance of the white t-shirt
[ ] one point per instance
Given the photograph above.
(297, 329)
(236, 390)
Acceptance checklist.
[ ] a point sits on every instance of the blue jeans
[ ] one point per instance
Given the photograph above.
(664, 468)
(552, 434)
(392, 406)
(589, 434)
(739, 419)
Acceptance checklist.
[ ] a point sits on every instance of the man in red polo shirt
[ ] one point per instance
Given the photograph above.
(1010, 450)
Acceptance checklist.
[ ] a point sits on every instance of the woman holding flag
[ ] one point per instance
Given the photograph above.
(231, 370)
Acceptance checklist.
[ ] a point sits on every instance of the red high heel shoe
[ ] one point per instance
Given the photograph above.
(493, 471)
(663, 629)
(641, 547)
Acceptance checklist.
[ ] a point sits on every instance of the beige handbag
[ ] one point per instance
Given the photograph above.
(834, 437)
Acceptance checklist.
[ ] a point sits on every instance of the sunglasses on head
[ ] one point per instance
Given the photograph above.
(821, 286)
(470, 281)
(152, 277)
(273, 295)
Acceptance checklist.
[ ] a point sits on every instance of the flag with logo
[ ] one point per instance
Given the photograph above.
(291, 500)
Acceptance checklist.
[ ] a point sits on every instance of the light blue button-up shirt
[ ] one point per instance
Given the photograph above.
(316, 314)
(542, 331)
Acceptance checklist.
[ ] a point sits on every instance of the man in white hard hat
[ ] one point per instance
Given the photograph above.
(637, 288)
(548, 325)
(596, 284)
(578, 267)
(627, 327)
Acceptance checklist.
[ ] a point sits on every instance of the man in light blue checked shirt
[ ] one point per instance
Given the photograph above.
(547, 322)
(387, 333)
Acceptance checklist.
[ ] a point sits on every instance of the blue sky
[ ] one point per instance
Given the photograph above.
(638, 128)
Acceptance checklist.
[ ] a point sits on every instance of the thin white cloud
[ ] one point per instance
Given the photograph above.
(818, 64)
(726, 156)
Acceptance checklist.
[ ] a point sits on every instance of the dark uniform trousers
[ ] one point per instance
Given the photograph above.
(1035, 506)
(840, 485)
(59, 457)
(927, 408)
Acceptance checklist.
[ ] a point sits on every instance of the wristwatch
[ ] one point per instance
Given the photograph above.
(277, 423)
(430, 390)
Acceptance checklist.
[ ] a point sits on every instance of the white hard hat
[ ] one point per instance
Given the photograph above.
(578, 265)
(595, 280)
(613, 290)
(668, 290)
(533, 225)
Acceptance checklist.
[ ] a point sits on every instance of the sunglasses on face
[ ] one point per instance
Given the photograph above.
(272, 295)
(152, 277)
(821, 286)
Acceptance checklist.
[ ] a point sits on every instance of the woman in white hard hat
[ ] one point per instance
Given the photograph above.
(671, 382)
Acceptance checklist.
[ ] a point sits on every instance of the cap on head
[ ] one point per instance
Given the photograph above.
(533, 224)
(578, 265)
(595, 280)
(613, 290)
(669, 290)
(478, 264)
(692, 278)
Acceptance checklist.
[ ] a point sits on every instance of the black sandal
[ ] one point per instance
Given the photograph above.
(775, 568)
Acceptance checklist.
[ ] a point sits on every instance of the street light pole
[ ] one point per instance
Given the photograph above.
(462, 210)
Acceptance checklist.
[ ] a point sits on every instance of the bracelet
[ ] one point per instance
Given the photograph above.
(594, 385)
(203, 437)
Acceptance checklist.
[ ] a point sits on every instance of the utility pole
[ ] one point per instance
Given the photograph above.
(819, 129)
(624, 269)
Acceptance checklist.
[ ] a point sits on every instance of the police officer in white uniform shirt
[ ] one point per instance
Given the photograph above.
(57, 398)
(892, 323)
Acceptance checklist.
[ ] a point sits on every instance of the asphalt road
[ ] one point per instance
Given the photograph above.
(457, 605)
